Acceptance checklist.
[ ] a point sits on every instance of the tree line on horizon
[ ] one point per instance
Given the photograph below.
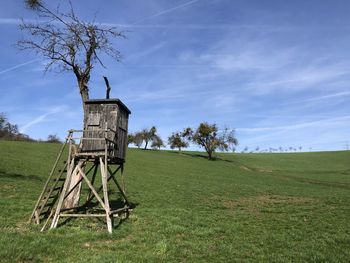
(207, 136)
(10, 132)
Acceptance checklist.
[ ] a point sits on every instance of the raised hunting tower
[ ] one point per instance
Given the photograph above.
(100, 152)
(101, 115)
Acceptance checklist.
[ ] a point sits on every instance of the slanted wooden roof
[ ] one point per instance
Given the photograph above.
(109, 101)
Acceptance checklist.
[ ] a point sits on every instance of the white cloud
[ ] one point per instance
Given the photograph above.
(326, 134)
(324, 97)
(343, 120)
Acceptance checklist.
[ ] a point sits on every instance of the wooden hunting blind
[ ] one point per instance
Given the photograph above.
(102, 147)
(102, 114)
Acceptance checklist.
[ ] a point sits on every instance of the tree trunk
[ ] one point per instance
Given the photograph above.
(72, 199)
(210, 155)
(146, 145)
(84, 93)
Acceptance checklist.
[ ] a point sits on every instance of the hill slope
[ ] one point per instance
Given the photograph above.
(253, 207)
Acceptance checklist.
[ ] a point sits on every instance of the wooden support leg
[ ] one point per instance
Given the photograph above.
(105, 194)
(122, 178)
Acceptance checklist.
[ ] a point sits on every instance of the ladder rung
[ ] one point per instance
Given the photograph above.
(49, 197)
(44, 212)
(54, 189)
(46, 205)
(58, 180)
(49, 204)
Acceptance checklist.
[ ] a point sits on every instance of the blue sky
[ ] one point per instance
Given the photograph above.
(276, 71)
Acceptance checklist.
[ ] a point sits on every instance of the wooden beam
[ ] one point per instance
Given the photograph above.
(120, 189)
(44, 200)
(88, 196)
(61, 199)
(49, 178)
(83, 215)
(92, 189)
(105, 191)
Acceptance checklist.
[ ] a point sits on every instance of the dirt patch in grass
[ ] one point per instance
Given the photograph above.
(246, 168)
(260, 170)
(263, 170)
(254, 205)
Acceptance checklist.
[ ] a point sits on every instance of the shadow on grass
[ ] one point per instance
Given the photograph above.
(114, 205)
(204, 156)
(195, 155)
(17, 176)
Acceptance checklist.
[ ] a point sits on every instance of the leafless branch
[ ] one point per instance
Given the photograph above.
(67, 42)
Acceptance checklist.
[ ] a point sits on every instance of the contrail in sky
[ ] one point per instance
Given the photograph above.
(165, 11)
(18, 66)
(41, 118)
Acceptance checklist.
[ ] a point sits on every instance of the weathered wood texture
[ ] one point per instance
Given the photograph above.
(109, 114)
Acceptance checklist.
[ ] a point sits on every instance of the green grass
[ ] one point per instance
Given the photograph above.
(242, 207)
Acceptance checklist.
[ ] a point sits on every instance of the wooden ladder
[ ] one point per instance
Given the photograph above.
(47, 200)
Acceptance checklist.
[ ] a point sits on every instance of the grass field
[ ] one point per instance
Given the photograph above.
(242, 207)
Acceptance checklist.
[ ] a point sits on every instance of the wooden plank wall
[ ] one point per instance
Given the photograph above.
(117, 119)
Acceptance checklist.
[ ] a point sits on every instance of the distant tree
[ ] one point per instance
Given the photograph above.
(157, 142)
(178, 140)
(210, 138)
(245, 149)
(138, 139)
(10, 131)
(257, 148)
(131, 138)
(148, 135)
(53, 138)
(68, 43)
(300, 148)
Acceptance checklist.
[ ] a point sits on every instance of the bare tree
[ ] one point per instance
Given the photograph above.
(53, 138)
(68, 43)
